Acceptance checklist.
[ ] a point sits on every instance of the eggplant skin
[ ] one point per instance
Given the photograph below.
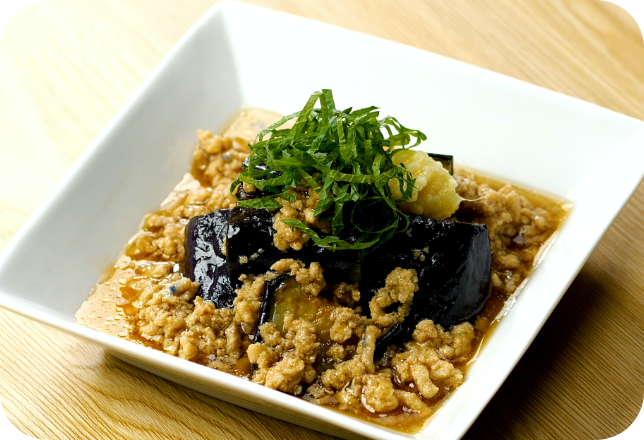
(453, 263)
(268, 301)
(339, 266)
(250, 249)
(243, 195)
(205, 260)
(249, 243)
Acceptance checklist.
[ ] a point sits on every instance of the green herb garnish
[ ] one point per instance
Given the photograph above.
(345, 156)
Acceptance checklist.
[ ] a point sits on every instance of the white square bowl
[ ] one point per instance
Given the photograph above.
(238, 56)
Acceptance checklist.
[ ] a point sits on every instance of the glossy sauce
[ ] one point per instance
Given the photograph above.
(110, 308)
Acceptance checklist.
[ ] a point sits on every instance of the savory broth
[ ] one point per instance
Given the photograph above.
(127, 300)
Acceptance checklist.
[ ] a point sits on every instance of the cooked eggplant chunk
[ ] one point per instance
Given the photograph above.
(205, 260)
(249, 244)
(250, 249)
(242, 194)
(283, 294)
(267, 308)
(339, 266)
(452, 261)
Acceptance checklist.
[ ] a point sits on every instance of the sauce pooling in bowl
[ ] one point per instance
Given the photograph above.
(146, 298)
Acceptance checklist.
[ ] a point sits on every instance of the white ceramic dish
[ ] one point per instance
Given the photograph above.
(223, 64)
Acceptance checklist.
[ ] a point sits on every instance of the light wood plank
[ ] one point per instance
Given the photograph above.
(66, 66)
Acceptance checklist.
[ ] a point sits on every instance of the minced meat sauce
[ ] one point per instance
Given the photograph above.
(321, 347)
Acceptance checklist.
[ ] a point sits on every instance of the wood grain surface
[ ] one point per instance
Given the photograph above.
(66, 66)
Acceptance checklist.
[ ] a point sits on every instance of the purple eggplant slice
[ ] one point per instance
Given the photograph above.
(250, 249)
(249, 244)
(205, 260)
(242, 194)
(339, 266)
(452, 261)
(284, 295)
(267, 308)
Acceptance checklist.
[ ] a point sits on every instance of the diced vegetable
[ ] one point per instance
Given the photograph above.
(283, 295)
(249, 242)
(250, 249)
(452, 261)
(205, 260)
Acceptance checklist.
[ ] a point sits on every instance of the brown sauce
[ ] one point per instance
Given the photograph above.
(152, 256)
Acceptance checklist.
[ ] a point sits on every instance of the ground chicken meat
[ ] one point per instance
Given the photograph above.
(345, 323)
(286, 375)
(517, 229)
(324, 350)
(302, 209)
(423, 362)
(193, 330)
(411, 401)
(337, 352)
(378, 394)
(302, 333)
(285, 361)
(420, 373)
(350, 396)
(338, 377)
(346, 294)
(247, 302)
(312, 278)
(400, 286)
(262, 355)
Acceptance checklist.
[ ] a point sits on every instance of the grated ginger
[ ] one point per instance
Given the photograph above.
(435, 192)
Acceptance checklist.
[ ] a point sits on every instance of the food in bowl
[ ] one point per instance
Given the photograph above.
(328, 260)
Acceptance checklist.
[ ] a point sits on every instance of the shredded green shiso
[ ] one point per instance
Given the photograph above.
(345, 156)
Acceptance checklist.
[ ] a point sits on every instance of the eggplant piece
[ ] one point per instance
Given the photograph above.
(243, 195)
(267, 308)
(249, 244)
(339, 266)
(205, 260)
(446, 160)
(452, 261)
(284, 294)
(250, 249)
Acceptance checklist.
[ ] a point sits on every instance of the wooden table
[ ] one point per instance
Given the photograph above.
(66, 66)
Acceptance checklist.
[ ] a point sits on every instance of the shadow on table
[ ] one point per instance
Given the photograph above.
(553, 392)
